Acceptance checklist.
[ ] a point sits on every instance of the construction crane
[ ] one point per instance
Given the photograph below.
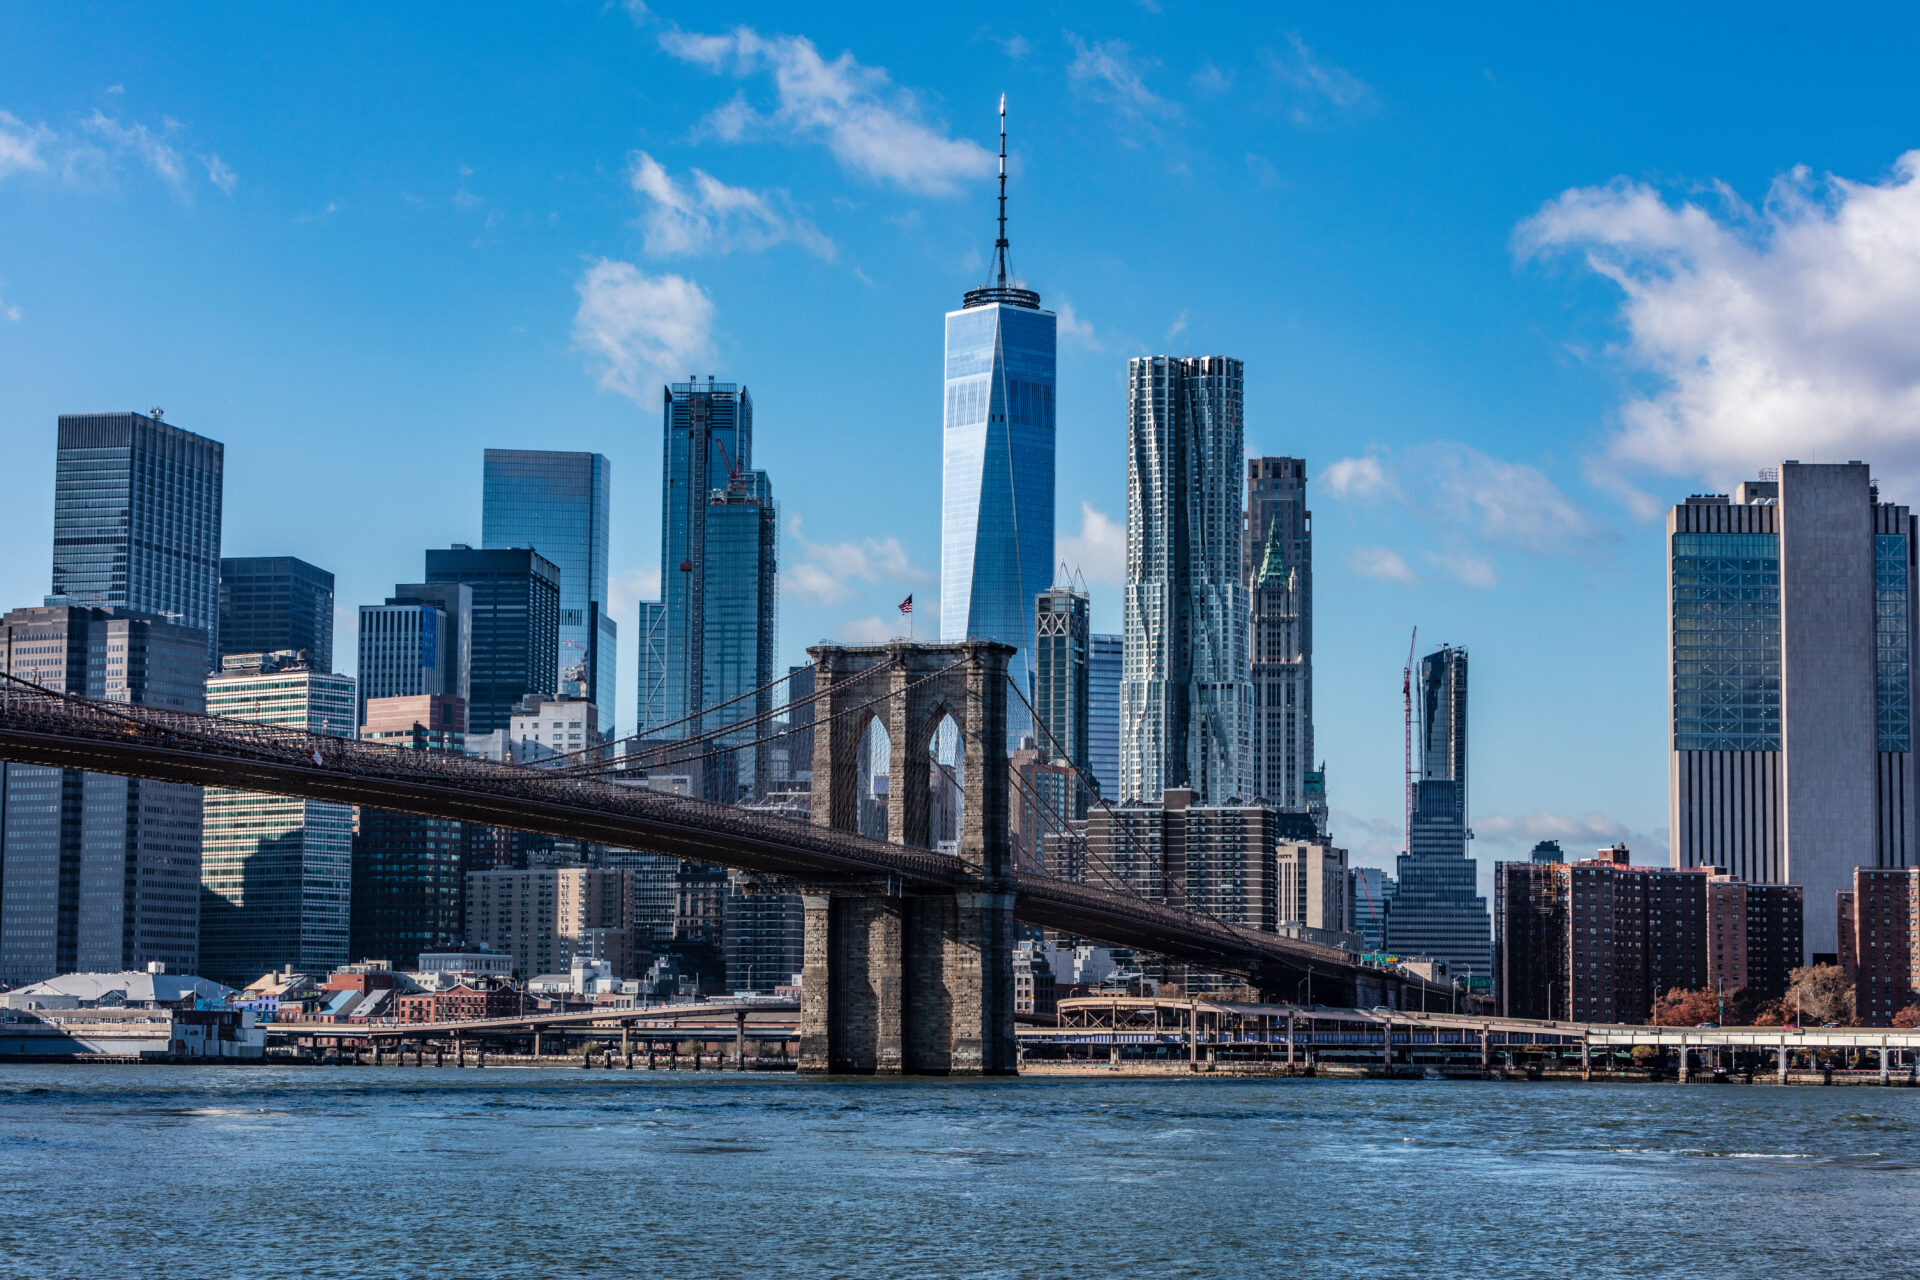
(1406, 702)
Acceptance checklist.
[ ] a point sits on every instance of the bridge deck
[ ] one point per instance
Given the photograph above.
(75, 733)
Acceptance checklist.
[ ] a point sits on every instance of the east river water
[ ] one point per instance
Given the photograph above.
(402, 1172)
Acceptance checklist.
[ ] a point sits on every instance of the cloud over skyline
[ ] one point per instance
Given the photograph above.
(1779, 331)
(638, 331)
(873, 127)
(704, 215)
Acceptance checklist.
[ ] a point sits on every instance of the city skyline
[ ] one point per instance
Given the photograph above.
(1374, 399)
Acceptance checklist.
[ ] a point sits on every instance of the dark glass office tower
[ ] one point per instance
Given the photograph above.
(99, 873)
(708, 440)
(740, 599)
(1060, 685)
(1104, 658)
(1278, 564)
(136, 519)
(557, 503)
(273, 603)
(1438, 910)
(516, 624)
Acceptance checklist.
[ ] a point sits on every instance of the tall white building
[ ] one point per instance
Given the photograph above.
(275, 871)
(1186, 699)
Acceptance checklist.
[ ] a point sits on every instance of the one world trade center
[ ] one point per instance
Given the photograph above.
(996, 512)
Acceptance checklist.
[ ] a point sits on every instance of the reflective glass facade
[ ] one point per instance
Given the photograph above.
(99, 873)
(275, 871)
(273, 603)
(515, 613)
(707, 437)
(996, 522)
(1726, 642)
(1893, 629)
(1103, 712)
(557, 503)
(741, 624)
(136, 519)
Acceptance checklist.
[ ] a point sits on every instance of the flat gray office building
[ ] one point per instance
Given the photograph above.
(1791, 639)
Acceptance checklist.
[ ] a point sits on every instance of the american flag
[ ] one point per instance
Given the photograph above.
(906, 606)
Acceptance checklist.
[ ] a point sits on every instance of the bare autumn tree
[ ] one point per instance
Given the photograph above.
(1821, 993)
(1683, 1008)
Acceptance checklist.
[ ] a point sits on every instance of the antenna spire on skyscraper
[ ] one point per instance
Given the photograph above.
(999, 290)
(1000, 245)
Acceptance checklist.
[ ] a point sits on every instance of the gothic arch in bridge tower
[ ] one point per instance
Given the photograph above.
(922, 981)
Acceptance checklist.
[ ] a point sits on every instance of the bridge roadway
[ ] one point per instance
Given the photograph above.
(64, 731)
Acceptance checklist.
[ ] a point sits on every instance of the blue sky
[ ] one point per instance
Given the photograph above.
(1511, 282)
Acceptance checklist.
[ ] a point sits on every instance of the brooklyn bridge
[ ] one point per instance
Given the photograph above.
(908, 949)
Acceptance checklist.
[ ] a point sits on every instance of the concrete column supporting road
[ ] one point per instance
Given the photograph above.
(1783, 1059)
(1193, 1036)
(1113, 1051)
(740, 1039)
(1586, 1059)
(626, 1041)
(376, 1053)
(1886, 1073)
(1486, 1049)
(1386, 1044)
(439, 1056)
(536, 1045)
(459, 1052)
(697, 1047)
(650, 1047)
(480, 1054)
(1683, 1060)
(1289, 1038)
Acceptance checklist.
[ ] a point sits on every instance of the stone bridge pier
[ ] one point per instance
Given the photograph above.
(912, 981)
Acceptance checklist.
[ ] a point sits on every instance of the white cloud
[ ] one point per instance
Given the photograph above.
(629, 587)
(1468, 570)
(873, 127)
(1312, 83)
(1107, 73)
(8, 310)
(1379, 562)
(1075, 326)
(1210, 79)
(1178, 327)
(21, 145)
(1015, 47)
(220, 175)
(1579, 836)
(1782, 331)
(1510, 502)
(874, 629)
(826, 571)
(705, 215)
(641, 330)
(1099, 549)
(1362, 478)
(144, 144)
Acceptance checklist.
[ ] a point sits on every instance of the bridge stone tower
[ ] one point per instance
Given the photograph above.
(912, 981)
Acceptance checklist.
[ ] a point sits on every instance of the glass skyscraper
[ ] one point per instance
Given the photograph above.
(1438, 911)
(1791, 640)
(99, 873)
(273, 603)
(275, 871)
(996, 508)
(740, 598)
(707, 441)
(1060, 691)
(516, 609)
(136, 519)
(1186, 700)
(650, 708)
(557, 503)
(1104, 658)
